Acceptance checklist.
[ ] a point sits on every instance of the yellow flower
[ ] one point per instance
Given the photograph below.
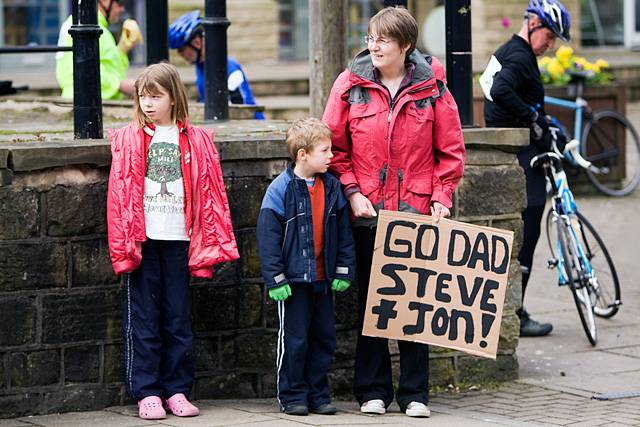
(544, 61)
(564, 53)
(555, 69)
(588, 66)
(601, 63)
(580, 60)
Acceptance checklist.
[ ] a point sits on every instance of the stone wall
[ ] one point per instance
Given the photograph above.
(60, 304)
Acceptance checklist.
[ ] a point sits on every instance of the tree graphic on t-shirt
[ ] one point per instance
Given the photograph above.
(163, 165)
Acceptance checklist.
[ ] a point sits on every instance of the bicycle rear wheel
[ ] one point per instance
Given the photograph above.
(610, 141)
(575, 276)
(606, 287)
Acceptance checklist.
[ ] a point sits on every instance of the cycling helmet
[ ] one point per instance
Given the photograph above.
(553, 15)
(183, 29)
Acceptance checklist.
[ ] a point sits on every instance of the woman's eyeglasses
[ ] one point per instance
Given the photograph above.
(381, 41)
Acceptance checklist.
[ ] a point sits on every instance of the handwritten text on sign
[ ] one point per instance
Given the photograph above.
(441, 284)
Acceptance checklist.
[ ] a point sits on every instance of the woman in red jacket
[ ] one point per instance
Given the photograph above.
(168, 217)
(398, 145)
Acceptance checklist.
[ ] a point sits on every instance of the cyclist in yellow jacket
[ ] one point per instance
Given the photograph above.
(113, 57)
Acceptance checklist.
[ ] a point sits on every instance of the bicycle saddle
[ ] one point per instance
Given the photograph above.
(580, 76)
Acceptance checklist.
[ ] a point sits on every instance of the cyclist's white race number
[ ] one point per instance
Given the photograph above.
(486, 79)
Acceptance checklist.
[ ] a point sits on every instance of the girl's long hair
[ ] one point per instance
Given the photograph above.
(154, 79)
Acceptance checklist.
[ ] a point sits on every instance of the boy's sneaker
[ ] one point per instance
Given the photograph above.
(150, 408)
(296, 409)
(324, 409)
(417, 409)
(374, 406)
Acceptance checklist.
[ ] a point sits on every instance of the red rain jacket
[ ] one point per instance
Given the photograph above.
(208, 220)
(402, 156)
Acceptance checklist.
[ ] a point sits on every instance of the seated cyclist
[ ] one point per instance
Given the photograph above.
(186, 34)
(515, 98)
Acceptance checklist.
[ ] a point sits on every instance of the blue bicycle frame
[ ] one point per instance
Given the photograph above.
(578, 106)
(566, 208)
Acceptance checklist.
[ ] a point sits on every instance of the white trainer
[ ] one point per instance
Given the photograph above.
(375, 406)
(417, 409)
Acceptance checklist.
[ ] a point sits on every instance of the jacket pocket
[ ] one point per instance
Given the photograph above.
(362, 126)
(420, 115)
(417, 194)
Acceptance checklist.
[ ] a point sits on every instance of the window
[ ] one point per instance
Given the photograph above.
(602, 22)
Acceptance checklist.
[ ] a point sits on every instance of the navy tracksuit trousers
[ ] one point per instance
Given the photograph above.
(306, 344)
(372, 370)
(157, 336)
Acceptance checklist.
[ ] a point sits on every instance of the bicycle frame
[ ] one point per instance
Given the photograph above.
(579, 105)
(565, 207)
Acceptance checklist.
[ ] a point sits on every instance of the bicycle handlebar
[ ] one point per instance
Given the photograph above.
(572, 149)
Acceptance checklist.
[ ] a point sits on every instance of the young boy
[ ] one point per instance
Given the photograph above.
(306, 250)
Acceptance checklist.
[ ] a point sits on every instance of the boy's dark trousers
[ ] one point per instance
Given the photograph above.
(306, 344)
(372, 372)
(157, 336)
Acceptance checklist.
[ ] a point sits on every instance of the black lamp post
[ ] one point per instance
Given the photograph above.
(216, 93)
(87, 98)
(157, 24)
(459, 65)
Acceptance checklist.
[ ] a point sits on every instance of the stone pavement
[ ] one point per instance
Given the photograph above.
(512, 404)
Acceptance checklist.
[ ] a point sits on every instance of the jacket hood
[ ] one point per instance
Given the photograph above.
(362, 66)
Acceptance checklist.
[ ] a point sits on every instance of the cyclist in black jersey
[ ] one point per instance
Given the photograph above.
(515, 98)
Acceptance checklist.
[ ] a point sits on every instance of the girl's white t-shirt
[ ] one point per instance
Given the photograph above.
(163, 187)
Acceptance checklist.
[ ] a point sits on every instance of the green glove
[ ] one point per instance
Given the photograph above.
(340, 285)
(280, 293)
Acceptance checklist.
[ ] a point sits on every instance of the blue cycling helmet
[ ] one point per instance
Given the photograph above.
(553, 15)
(183, 29)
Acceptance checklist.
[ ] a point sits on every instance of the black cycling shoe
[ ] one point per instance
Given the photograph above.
(325, 409)
(296, 409)
(532, 328)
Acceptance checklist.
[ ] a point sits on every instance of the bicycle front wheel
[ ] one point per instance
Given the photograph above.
(606, 287)
(611, 143)
(576, 277)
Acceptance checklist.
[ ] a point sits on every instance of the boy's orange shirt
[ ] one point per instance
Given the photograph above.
(316, 194)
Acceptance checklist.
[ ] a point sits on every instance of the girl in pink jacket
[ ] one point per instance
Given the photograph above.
(168, 218)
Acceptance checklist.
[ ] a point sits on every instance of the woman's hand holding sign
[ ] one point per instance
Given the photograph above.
(438, 210)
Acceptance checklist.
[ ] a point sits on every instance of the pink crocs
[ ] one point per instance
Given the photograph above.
(150, 408)
(179, 406)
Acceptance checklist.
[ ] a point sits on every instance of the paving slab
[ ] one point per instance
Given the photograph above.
(92, 418)
(14, 423)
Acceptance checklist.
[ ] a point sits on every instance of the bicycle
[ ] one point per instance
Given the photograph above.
(577, 251)
(601, 137)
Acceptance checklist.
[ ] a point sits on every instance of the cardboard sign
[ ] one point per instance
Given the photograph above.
(441, 284)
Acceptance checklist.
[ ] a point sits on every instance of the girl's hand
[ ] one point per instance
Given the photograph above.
(438, 210)
(361, 206)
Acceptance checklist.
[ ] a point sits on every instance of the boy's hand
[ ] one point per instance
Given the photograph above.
(280, 293)
(340, 285)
